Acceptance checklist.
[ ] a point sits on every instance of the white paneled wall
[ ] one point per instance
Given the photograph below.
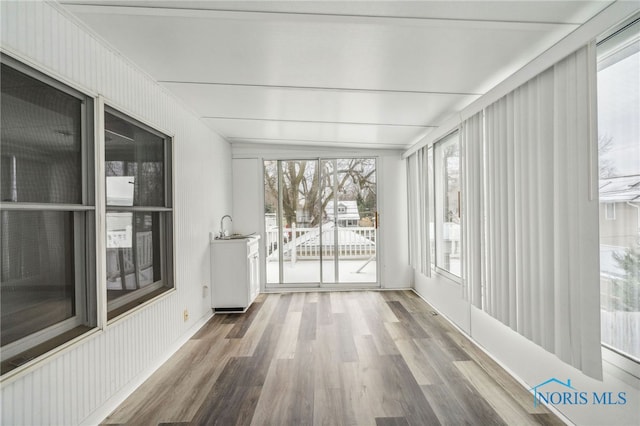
(87, 377)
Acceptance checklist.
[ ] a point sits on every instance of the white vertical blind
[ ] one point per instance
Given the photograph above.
(423, 178)
(471, 150)
(412, 196)
(418, 201)
(540, 260)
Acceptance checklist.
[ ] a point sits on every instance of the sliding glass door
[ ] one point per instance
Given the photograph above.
(292, 220)
(321, 221)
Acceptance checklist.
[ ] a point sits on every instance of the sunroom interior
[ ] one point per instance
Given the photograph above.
(484, 155)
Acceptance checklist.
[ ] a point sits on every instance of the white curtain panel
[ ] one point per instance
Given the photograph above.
(539, 242)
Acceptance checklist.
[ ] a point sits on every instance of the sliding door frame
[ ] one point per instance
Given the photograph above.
(336, 285)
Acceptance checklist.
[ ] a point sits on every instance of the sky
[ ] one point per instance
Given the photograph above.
(619, 113)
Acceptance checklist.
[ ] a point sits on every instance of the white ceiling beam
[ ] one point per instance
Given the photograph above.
(208, 13)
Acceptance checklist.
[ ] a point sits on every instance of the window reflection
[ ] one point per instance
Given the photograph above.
(134, 156)
(38, 273)
(133, 252)
(41, 142)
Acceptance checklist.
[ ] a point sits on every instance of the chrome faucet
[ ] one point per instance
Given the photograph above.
(221, 233)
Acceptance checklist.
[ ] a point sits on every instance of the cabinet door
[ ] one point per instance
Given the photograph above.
(230, 275)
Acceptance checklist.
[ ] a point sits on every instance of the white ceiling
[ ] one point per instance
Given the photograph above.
(370, 74)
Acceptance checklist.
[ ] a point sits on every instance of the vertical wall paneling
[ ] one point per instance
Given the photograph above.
(30, 17)
(78, 383)
(39, 41)
(4, 30)
(17, 389)
(57, 382)
(102, 382)
(22, 25)
(36, 395)
(81, 371)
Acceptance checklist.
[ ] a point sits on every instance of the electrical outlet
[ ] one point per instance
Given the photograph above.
(185, 314)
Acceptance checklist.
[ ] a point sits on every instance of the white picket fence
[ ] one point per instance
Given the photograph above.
(353, 242)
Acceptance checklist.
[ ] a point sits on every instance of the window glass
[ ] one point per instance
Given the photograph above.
(46, 216)
(41, 141)
(447, 181)
(320, 221)
(139, 217)
(133, 252)
(38, 273)
(619, 164)
(134, 164)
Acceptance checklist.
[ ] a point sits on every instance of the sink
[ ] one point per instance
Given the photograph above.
(236, 236)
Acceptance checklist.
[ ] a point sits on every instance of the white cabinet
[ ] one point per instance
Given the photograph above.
(235, 273)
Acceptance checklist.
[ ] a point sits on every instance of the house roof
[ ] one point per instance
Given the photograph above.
(351, 210)
(620, 189)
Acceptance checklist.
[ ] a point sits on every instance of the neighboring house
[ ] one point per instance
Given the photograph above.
(348, 214)
(619, 230)
(619, 218)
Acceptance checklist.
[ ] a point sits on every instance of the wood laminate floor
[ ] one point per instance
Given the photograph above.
(341, 358)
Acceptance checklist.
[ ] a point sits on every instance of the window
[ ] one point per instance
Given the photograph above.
(47, 214)
(610, 211)
(447, 204)
(619, 164)
(139, 214)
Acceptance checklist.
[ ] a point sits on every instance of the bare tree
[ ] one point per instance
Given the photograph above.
(308, 187)
(606, 165)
